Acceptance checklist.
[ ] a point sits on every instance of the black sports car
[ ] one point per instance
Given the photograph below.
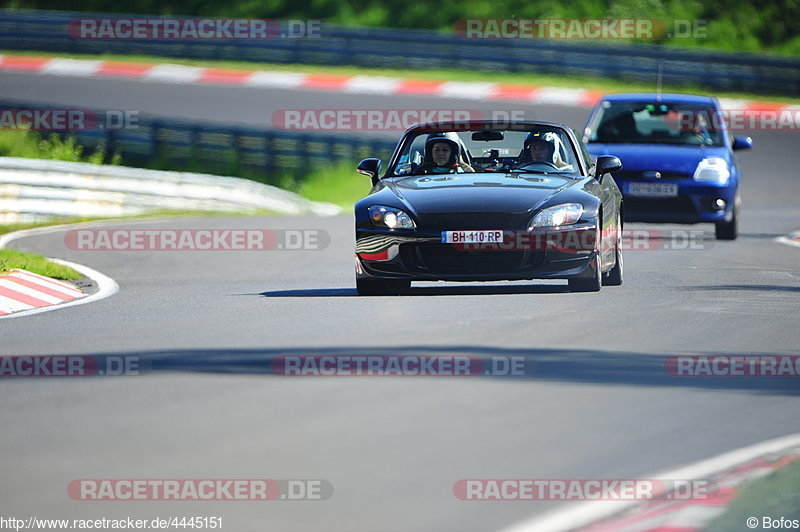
(489, 201)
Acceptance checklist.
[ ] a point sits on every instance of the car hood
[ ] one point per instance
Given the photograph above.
(477, 192)
(662, 157)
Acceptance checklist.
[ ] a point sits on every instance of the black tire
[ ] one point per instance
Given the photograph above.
(381, 287)
(729, 230)
(614, 276)
(590, 284)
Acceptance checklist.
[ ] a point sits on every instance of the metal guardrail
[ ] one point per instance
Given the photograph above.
(267, 155)
(34, 190)
(425, 49)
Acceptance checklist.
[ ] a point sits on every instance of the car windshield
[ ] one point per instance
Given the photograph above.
(540, 150)
(655, 123)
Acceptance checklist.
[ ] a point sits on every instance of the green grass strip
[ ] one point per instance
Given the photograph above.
(12, 259)
(774, 496)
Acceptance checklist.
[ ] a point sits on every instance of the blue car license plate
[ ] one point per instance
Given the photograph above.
(652, 190)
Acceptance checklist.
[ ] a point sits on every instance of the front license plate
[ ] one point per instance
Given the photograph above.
(472, 237)
(653, 190)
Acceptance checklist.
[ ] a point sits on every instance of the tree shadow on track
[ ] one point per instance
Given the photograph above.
(590, 366)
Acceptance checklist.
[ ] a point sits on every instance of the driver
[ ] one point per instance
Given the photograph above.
(442, 156)
(542, 147)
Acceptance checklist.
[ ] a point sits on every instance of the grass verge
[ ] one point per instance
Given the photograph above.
(340, 185)
(774, 496)
(576, 82)
(13, 259)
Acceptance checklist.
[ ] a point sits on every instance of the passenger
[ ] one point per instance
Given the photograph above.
(542, 147)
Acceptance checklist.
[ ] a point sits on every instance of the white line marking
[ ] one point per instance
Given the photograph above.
(281, 80)
(580, 515)
(559, 96)
(472, 90)
(12, 305)
(732, 104)
(174, 73)
(25, 291)
(791, 240)
(71, 67)
(372, 85)
(46, 282)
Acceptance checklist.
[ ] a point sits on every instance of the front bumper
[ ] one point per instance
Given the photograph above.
(693, 204)
(558, 254)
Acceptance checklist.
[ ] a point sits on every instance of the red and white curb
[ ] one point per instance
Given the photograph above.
(22, 290)
(381, 85)
(694, 514)
(790, 240)
(23, 293)
(726, 472)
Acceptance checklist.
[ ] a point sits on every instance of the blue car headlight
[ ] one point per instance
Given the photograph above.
(390, 217)
(712, 170)
(565, 214)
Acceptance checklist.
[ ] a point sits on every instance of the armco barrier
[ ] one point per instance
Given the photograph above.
(32, 190)
(425, 49)
(269, 155)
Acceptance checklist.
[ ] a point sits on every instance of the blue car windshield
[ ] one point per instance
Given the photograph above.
(657, 123)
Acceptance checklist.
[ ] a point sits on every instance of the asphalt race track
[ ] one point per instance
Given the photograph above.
(596, 403)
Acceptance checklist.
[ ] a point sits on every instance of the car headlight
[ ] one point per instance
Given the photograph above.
(565, 214)
(390, 217)
(712, 170)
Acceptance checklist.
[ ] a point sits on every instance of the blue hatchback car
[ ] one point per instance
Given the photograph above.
(678, 164)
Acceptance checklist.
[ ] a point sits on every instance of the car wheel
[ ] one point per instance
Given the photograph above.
(381, 287)
(614, 276)
(590, 284)
(729, 230)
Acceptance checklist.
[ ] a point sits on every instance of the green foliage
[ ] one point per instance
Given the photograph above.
(754, 25)
(340, 184)
(31, 145)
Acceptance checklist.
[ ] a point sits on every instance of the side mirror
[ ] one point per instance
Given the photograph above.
(742, 143)
(606, 164)
(370, 168)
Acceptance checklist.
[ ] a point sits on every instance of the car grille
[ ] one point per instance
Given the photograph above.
(446, 259)
(459, 221)
(679, 205)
